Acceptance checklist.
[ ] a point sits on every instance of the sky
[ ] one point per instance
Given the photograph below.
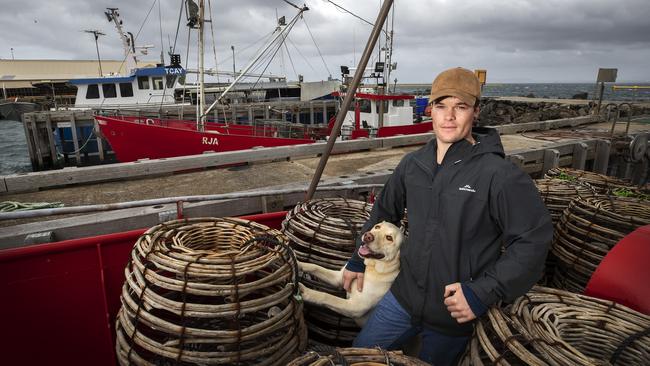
(516, 41)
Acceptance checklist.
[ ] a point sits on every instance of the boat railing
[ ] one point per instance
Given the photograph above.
(284, 129)
(258, 127)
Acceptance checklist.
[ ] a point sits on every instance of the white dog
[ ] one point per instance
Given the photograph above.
(380, 250)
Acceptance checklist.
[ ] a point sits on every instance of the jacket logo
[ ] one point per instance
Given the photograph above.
(467, 188)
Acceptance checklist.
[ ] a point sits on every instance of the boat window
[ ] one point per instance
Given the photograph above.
(398, 103)
(170, 81)
(143, 82)
(157, 83)
(126, 90)
(109, 90)
(364, 106)
(92, 92)
(385, 103)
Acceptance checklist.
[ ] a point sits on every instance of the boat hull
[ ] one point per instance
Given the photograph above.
(414, 128)
(133, 139)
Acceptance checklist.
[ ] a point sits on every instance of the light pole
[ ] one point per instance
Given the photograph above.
(234, 72)
(97, 33)
(12, 53)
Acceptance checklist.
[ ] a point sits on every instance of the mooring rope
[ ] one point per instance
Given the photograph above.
(7, 206)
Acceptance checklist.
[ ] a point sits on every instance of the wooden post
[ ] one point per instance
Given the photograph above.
(37, 143)
(601, 160)
(73, 128)
(325, 121)
(234, 113)
(26, 119)
(311, 113)
(600, 97)
(99, 140)
(579, 155)
(250, 115)
(266, 111)
(298, 114)
(50, 138)
(551, 160)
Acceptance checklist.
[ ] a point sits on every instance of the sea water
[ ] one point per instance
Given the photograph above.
(14, 156)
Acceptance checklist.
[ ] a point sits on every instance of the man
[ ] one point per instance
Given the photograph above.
(478, 230)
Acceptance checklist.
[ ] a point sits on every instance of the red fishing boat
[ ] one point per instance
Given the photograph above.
(134, 138)
(374, 115)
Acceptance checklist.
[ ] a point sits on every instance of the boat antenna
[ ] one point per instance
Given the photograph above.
(349, 95)
(113, 15)
(96, 33)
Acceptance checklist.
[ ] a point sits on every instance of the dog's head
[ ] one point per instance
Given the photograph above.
(382, 242)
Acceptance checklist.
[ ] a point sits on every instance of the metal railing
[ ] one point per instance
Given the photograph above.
(615, 117)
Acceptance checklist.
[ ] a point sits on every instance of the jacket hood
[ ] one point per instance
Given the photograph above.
(488, 141)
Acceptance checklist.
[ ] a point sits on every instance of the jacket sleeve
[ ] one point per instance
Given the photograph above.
(389, 206)
(527, 232)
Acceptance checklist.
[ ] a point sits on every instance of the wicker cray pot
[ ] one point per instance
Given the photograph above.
(586, 232)
(553, 327)
(602, 184)
(324, 232)
(210, 291)
(558, 193)
(356, 356)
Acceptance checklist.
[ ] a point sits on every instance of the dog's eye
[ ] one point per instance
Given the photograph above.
(377, 227)
(389, 238)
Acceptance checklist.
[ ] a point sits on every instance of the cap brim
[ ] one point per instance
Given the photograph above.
(465, 97)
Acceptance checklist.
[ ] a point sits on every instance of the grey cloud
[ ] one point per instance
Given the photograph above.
(515, 40)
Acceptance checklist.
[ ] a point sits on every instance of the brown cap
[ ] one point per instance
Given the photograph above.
(457, 82)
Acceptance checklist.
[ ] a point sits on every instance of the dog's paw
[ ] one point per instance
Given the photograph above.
(305, 267)
(306, 293)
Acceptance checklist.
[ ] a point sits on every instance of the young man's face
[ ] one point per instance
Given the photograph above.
(452, 120)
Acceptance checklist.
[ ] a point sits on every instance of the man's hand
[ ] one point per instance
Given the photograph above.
(349, 276)
(457, 304)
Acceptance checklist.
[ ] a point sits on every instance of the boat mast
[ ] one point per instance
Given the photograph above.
(383, 86)
(202, 116)
(280, 32)
(113, 15)
(349, 95)
(389, 49)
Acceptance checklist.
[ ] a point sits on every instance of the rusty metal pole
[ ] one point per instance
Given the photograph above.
(347, 101)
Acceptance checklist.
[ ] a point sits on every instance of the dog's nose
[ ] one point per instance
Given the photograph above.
(368, 237)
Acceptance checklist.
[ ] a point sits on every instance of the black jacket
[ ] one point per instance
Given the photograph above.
(460, 216)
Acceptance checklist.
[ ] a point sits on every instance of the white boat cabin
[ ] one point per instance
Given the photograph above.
(397, 111)
(145, 86)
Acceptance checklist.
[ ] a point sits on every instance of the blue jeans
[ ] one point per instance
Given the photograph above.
(389, 327)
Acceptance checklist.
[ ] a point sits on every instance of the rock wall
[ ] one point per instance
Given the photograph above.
(501, 112)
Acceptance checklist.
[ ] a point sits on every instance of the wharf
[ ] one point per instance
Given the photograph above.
(583, 146)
